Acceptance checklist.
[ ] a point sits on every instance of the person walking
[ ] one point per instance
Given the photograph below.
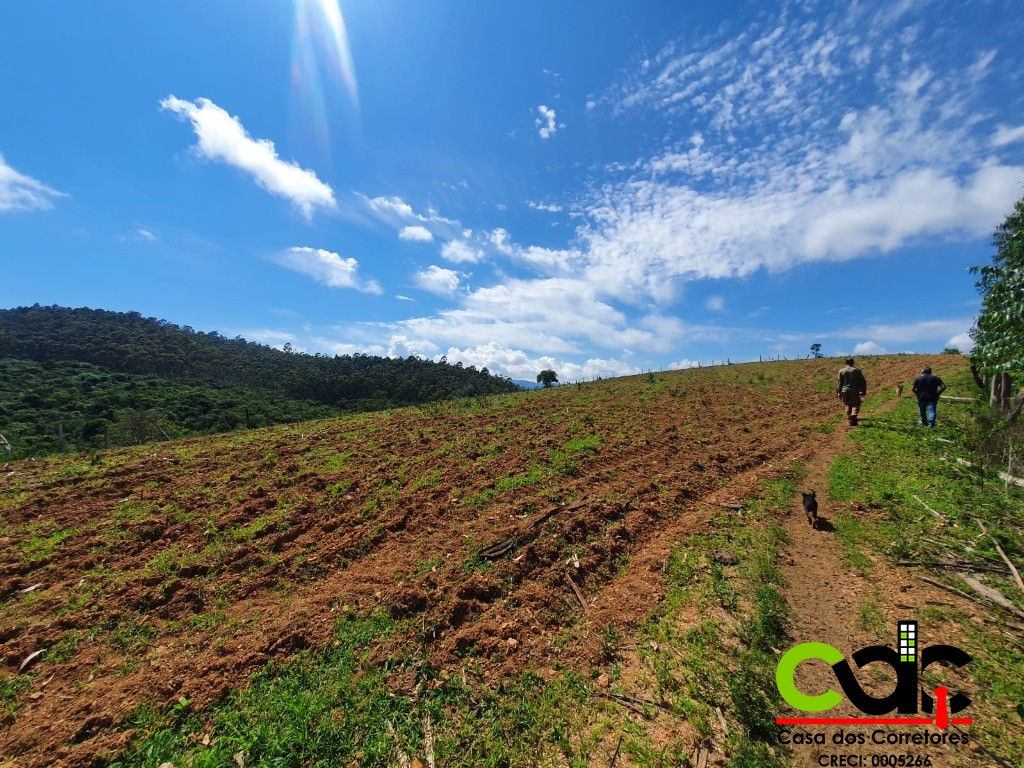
(928, 388)
(852, 388)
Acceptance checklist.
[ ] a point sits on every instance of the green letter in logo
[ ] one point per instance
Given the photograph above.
(787, 668)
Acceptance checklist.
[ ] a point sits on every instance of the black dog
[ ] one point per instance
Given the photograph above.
(811, 508)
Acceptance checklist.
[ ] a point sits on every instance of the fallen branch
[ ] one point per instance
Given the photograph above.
(948, 588)
(545, 516)
(428, 739)
(982, 600)
(495, 551)
(625, 702)
(1004, 476)
(615, 754)
(937, 514)
(576, 591)
(954, 566)
(634, 702)
(1016, 574)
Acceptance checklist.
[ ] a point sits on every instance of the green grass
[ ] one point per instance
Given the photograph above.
(726, 660)
(339, 708)
(896, 470)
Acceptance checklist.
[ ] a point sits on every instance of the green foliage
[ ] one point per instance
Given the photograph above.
(999, 331)
(81, 379)
(547, 378)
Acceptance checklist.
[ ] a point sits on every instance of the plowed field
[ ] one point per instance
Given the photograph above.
(178, 569)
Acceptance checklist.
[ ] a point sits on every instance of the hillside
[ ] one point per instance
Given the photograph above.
(86, 378)
(555, 576)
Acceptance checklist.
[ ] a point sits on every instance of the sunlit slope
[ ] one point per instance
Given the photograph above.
(177, 569)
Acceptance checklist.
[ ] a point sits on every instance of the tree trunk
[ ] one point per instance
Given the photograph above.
(982, 383)
(1015, 407)
(1000, 394)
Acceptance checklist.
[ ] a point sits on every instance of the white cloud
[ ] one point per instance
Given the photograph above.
(394, 206)
(902, 334)
(499, 238)
(222, 137)
(327, 268)
(269, 337)
(776, 169)
(556, 315)
(19, 192)
(547, 207)
(961, 341)
(438, 280)
(774, 141)
(401, 346)
(1007, 134)
(145, 235)
(416, 233)
(460, 251)
(518, 364)
(683, 365)
(400, 297)
(545, 124)
(869, 348)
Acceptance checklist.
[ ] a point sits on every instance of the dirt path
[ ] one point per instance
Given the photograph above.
(850, 608)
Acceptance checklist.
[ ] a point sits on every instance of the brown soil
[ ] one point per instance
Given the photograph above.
(179, 569)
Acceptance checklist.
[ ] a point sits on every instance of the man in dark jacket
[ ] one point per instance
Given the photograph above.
(928, 388)
(852, 387)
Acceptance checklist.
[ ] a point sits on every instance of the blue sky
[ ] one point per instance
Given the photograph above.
(599, 188)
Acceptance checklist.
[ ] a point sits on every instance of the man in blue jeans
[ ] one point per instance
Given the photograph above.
(928, 388)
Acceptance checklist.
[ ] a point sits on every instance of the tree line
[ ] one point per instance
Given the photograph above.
(69, 377)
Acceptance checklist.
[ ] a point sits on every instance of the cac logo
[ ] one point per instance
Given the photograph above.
(907, 662)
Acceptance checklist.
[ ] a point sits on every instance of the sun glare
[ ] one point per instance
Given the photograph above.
(322, 65)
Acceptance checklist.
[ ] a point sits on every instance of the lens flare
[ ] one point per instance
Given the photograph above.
(322, 67)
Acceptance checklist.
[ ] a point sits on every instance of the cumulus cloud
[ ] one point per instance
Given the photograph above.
(460, 251)
(402, 346)
(19, 192)
(961, 341)
(518, 364)
(223, 138)
(439, 280)
(327, 268)
(269, 336)
(715, 303)
(545, 124)
(416, 233)
(869, 348)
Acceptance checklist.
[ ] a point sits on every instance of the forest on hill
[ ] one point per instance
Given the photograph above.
(77, 379)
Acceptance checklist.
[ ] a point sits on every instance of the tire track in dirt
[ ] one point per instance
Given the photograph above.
(827, 598)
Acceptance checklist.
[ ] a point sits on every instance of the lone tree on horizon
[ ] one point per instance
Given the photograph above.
(547, 378)
(816, 351)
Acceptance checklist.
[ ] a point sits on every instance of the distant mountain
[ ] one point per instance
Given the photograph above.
(75, 378)
(526, 384)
